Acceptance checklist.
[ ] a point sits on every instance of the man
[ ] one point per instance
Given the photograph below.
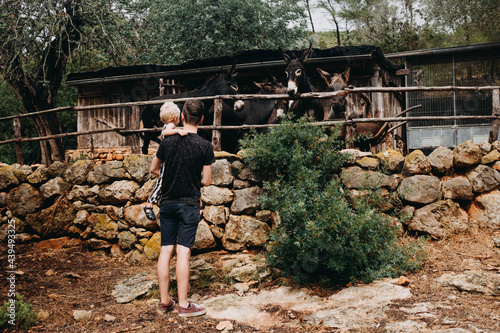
(188, 162)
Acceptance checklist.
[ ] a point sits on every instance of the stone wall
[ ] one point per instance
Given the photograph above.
(446, 192)
(99, 206)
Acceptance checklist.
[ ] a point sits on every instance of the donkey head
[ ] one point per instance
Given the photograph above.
(336, 82)
(225, 84)
(273, 86)
(295, 72)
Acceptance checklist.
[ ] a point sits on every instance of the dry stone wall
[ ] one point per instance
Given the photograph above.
(100, 206)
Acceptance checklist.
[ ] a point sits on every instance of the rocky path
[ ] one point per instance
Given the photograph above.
(456, 291)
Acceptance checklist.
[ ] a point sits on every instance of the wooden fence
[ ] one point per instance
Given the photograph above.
(216, 127)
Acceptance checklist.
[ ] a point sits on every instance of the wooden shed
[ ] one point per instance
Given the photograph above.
(369, 68)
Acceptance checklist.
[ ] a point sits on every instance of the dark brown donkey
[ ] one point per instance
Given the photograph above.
(298, 83)
(336, 107)
(341, 107)
(220, 84)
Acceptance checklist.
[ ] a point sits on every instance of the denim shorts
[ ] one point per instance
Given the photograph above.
(179, 223)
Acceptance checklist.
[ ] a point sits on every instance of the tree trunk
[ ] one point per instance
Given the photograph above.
(338, 31)
(310, 15)
(50, 150)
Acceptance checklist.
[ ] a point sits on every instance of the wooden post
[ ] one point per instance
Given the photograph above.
(161, 86)
(377, 102)
(135, 120)
(377, 97)
(19, 145)
(495, 124)
(216, 135)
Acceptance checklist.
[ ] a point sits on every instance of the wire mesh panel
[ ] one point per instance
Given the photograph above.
(434, 103)
(452, 69)
(474, 72)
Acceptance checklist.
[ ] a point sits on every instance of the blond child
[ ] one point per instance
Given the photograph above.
(170, 115)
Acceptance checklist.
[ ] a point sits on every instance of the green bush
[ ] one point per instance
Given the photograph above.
(322, 236)
(19, 316)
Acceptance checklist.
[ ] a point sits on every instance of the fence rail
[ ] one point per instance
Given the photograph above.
(312, 95)
(217, 127)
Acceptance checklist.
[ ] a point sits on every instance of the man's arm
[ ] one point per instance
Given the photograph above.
(155, 166)
(206, 175)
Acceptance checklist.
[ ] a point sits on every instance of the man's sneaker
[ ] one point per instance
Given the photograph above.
(192, 310)
(164, 308)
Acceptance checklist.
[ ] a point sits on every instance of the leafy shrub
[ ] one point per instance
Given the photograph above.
(24, 318)
(322, 236)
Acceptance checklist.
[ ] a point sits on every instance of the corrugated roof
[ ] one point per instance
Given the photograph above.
(445, 51)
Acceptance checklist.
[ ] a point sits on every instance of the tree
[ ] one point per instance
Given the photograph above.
(390, 25)
(172, 32)
(334, 7)
(468, 22)
(308, 8)
(38, 39)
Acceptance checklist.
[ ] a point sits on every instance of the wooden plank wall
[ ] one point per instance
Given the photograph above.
(128, 117)
(392, 104)
(87, 120)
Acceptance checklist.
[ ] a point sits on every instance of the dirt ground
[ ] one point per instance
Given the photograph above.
(61, 281)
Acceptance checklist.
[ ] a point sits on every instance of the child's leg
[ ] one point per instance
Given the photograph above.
(154, 196)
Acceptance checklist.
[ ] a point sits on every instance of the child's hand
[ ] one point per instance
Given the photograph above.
(183, 133)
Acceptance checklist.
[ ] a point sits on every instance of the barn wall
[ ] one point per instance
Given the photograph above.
(393, 104)
(128, 117)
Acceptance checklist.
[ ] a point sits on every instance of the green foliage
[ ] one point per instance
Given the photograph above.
(405, 25)
(322, 237)
(10, 105)
(176, 31)
(68, 96)
(25, 317)
(38, 41)
(285, 150)
(37, 38)
(465, 22)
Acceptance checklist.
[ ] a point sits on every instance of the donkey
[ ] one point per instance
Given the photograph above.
(336, 107)
(266, 111)
(298, 83)
(220, 84)
(343, 107)
(256, 112)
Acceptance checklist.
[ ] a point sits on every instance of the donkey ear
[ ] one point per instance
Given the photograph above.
(285, 56)
(258, 84)
(347, 73)
(306, 53)
(231, 70)
(325, 75)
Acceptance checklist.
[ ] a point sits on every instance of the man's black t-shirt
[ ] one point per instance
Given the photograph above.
(184, 158)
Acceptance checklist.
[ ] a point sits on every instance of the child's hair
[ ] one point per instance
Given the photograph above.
(170, 113)
(193, 111)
